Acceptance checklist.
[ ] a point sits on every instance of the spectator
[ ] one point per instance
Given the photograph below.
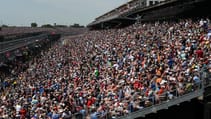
(110, 72)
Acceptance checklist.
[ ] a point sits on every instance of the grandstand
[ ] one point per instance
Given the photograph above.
(143, 11)
(131, 5)
(118, 12)
(14, 39)
(151, 57)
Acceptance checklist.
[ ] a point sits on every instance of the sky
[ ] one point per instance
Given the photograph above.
(63, 12)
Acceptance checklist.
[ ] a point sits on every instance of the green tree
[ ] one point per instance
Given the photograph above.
(4, 25)
(34, 24)
(47, 26)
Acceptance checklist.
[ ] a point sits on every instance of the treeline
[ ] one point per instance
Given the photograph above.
(49, 25)
(57, 25)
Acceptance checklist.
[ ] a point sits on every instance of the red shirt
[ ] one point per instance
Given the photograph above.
(199, 53)
(89, 103)
(136, 85)
(23, 112)
(201, 39)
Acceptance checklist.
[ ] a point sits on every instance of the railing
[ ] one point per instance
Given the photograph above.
(164, 104)
(197, 90)
(177, 99)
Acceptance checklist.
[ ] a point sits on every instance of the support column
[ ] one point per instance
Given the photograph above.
(102, 25)
(207, 110)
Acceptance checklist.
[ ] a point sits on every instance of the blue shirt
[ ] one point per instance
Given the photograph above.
(55, 116)
(94, 115)
(196, 79)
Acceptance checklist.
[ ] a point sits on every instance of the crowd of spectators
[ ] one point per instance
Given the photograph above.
(110, 73)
